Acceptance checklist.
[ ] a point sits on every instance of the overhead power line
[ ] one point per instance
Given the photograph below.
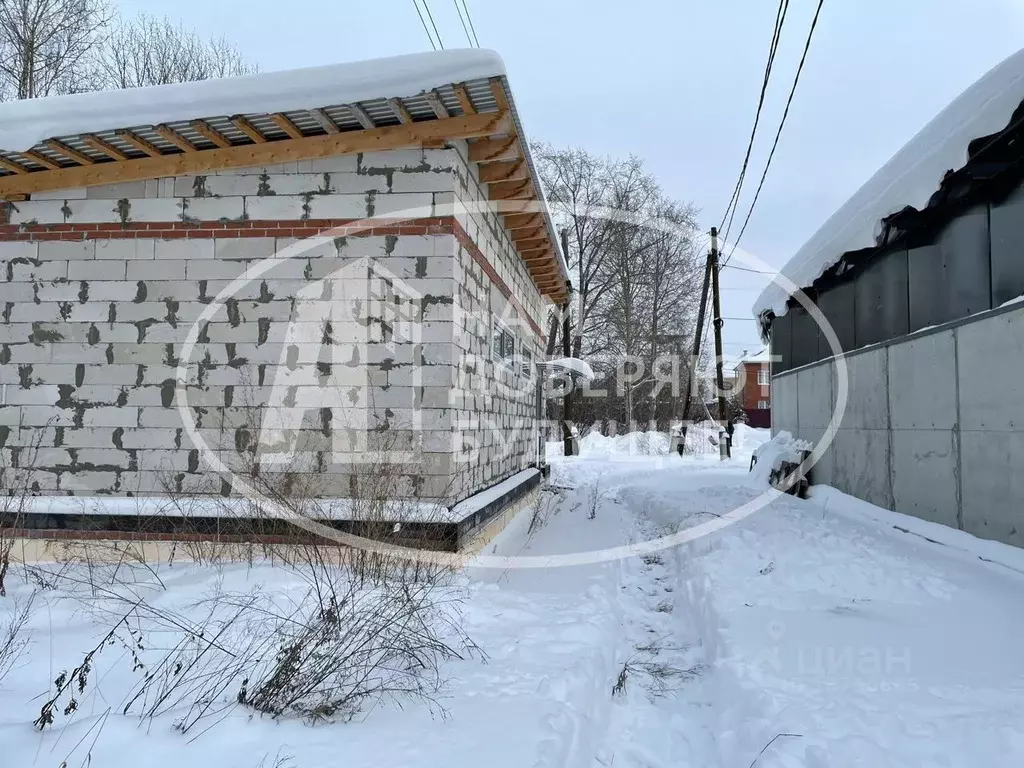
(472, 27)
(474, 41)
(462, 18)
(747, 269)
(780, 20)
(778, 133)
(430, 16)
(423, 21)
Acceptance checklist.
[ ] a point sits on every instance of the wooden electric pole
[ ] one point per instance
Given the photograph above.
(693, 362)
(568, 442)
(725, 447)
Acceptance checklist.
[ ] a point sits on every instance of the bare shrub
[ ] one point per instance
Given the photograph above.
(18, 466)
(657, 677)
(14, 637)
(595, 497)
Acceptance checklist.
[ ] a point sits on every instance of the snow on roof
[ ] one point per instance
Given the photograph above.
(910, 177)
(353, 96)
(25, 123)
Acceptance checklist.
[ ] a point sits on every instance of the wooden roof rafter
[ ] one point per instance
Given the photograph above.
(69, 152)
(138, 142)
(103, 147)
(173, 137)
(241, 122)
(210, 133)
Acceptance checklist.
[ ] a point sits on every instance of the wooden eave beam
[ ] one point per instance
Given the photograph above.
(535, 255)
(39, 159)
(508, 170)
(69, 152)
(173, 137)
(465, 103)
(241, 123)
(324, 120)
(283, 122)
(271, 152)
(138, 142)
(487, 150)
(208, 132)
(103, 147)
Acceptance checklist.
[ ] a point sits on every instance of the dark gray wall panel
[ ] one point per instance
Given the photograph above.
(805, 337)
(782, 343)
(1007, 222)
(881, 310)
(964, 244)
(927, 277)
(838, 306)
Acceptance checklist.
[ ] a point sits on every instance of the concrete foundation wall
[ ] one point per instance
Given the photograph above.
(934, 424)
(100, 286)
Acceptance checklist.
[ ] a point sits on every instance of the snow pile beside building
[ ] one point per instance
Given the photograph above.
(908, 179)
(771, 455)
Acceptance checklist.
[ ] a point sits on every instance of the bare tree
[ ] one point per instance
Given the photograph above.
(633, 261)
(147, 50)
(45, 45)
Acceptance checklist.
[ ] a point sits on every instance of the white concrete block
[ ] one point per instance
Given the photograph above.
(124, 250)
(249, 248)
(275, 207)
(213, 208)
(184, 249)
(412, 206)
(423, 181)
(337, 164)
(76, 193)
(95, 270)
(156, 270)
(67, 250)
(338, 207)
(158, 209)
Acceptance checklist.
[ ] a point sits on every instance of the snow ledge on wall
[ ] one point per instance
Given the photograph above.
(910, 177)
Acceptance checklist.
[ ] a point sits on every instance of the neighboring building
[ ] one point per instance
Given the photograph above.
(753, 375)
(130, 213)
(917, 275)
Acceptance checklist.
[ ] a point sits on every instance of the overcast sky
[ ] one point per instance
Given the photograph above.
(676, 83)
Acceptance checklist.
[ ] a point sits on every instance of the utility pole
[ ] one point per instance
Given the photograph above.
(725, 445)
(568, 442)
(691, 365)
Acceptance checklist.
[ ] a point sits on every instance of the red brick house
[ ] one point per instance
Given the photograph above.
(753, 377)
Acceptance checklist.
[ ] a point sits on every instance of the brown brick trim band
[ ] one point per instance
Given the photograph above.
(168, 230)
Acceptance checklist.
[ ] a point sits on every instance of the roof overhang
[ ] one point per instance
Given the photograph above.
(351, 108)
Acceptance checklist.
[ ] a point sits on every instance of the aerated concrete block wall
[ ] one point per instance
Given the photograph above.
(496, 406)
(933, 427)
(99, 288)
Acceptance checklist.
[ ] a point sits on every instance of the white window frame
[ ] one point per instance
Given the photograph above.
(764, 378)
(525, 361)
(505, 358)
(763, 405)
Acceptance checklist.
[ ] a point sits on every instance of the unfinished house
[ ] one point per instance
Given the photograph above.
(913, 375)
(291, 271)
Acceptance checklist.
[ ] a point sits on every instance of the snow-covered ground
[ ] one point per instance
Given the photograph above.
(826, 633)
